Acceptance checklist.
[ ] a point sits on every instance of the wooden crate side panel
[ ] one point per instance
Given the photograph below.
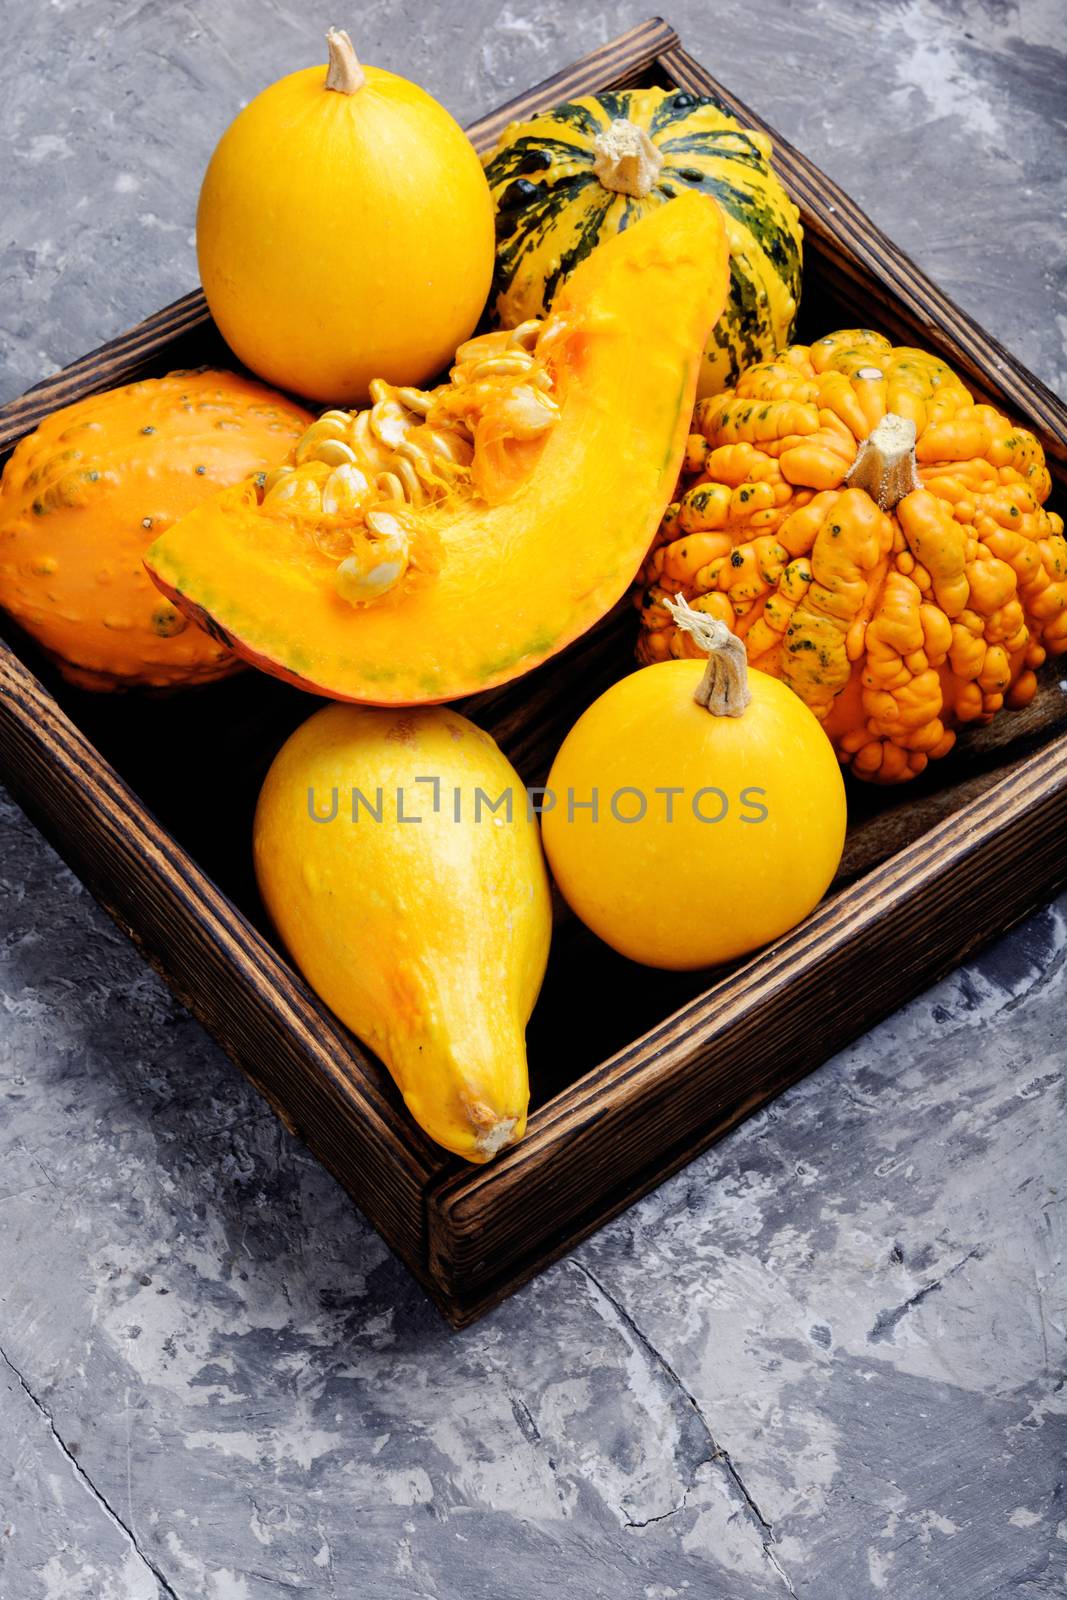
(619, 64)
(256, 1008)
(857, 958)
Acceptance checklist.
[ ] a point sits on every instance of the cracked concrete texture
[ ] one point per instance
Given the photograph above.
(824, 1361)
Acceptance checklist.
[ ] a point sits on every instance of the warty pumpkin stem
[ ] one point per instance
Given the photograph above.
(723, 690)
(885, 462)
(626, 161)
(344, 72)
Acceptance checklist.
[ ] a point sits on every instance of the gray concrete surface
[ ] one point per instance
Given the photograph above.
(825, 1361)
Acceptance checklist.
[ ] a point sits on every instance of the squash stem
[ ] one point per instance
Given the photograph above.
(344, 72)
(885, 462)
(625, 159)
(723, 690)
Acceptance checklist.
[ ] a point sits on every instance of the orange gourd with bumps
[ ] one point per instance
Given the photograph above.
(879, 541)
(85, 494)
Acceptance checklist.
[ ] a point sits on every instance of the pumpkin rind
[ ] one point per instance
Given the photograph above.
(493, 589)
(552, 209)
(897, 627)
(85, 494)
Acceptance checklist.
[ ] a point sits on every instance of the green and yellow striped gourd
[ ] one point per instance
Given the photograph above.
(588, 169)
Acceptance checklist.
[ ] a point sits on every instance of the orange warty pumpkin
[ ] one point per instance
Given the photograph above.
(876, 537)
(84, 496)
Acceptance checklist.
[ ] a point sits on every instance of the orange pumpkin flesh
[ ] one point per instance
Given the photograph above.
(507, 584)
(84, 495)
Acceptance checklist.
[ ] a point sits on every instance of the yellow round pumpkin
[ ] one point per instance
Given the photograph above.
(345, 231)
(696, 810)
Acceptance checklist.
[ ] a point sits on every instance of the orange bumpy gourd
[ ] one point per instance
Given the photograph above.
(876, 537)
(84, 495)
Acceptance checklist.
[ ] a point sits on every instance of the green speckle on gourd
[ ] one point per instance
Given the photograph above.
(167, 621)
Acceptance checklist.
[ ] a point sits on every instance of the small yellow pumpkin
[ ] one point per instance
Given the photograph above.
(696, 810)
(345, 231)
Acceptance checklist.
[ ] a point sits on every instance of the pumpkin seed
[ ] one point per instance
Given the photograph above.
(452, 446)
(389, 486)
(298, 492)
(526, 334)
(501, 366)
(335, 453)
(415, 400)
(362, 439)
(387, 525)
(359, 582)
(327, 427)
(272, 478)
(405, 471)
(376, 564)
(388, 423)
(345, 490)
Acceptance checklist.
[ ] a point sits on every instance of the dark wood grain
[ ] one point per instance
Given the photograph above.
(622, 62)
(632, 1071)
(262, 1014)
(860, 954)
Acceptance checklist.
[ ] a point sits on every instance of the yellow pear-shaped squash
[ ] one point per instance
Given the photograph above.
(345, 231)
(719, 808)
(397, 858)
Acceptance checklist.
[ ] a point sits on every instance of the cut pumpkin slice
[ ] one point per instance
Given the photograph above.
(448, 540)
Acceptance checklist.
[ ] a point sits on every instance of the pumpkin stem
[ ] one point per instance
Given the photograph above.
(626, 161)
(723, 690)
(344, 72)
(885, 462)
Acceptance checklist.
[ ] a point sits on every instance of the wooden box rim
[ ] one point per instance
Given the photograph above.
(442, 1217)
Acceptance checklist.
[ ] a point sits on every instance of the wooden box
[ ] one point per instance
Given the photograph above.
(633, 1072)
